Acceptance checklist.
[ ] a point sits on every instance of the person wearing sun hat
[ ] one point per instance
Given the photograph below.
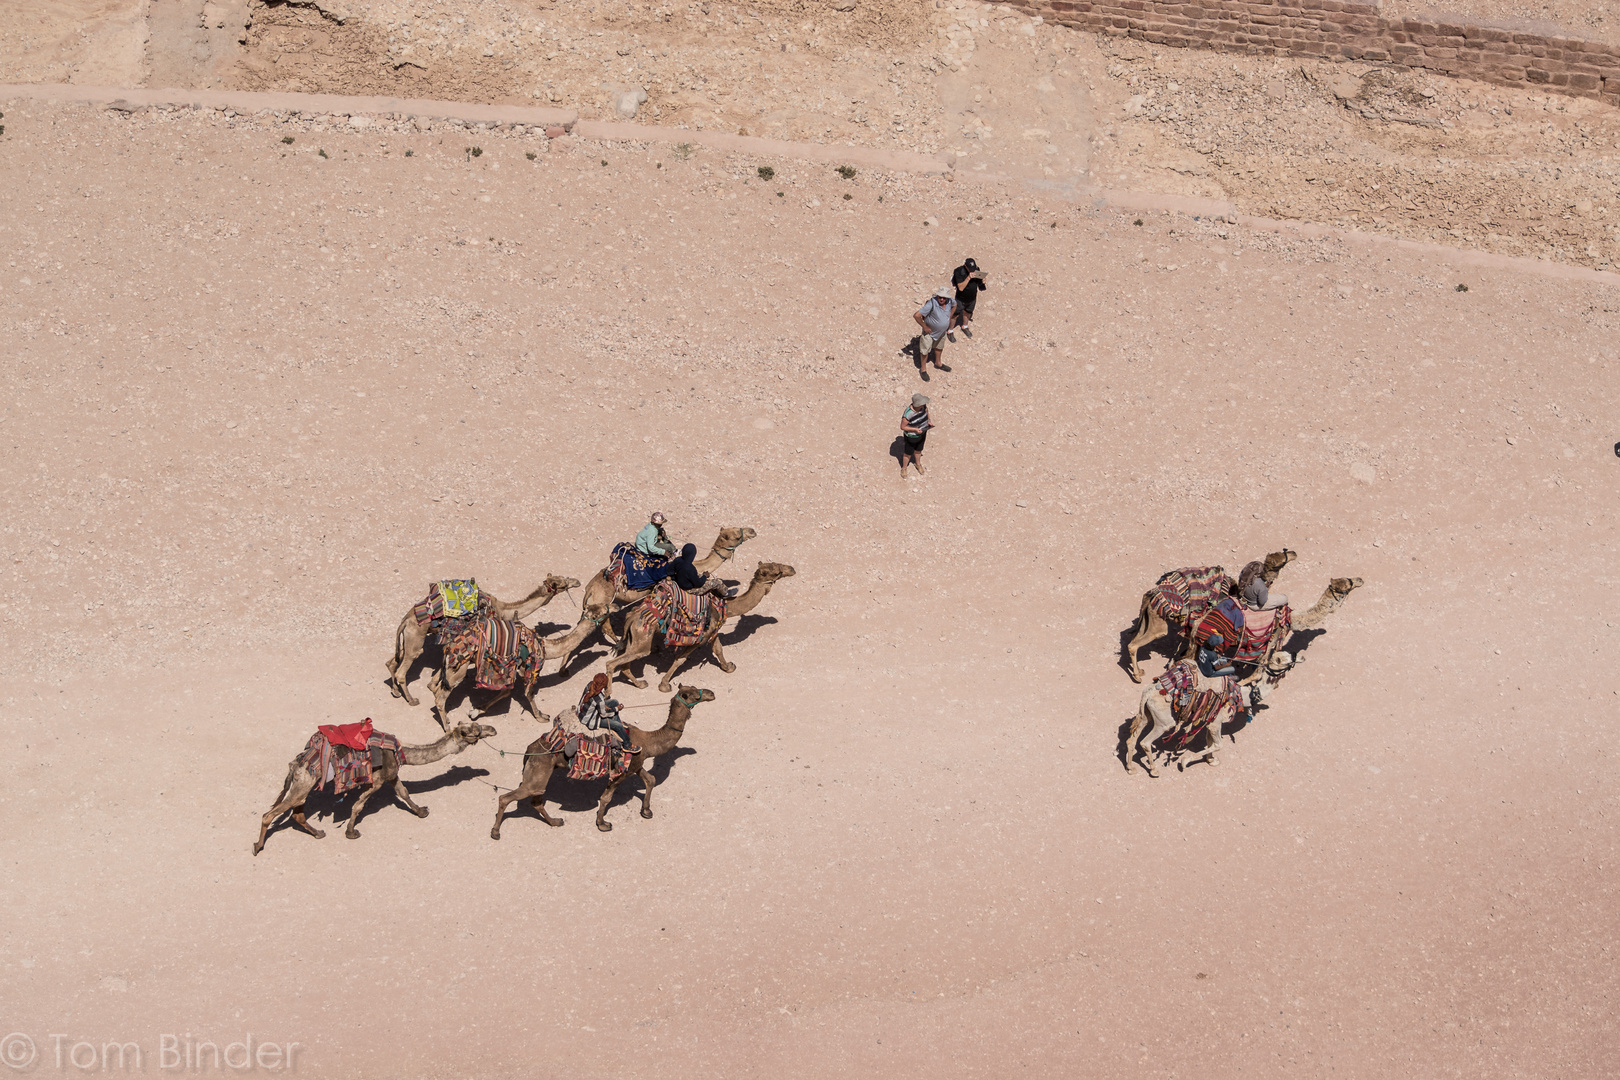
(934, 317)
(914, 425)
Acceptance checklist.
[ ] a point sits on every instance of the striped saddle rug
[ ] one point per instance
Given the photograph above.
(592, 758)
(344, 767)
(682, 617)
(1196, 702)
(1182, 596)
(1246, 636)
(449, 606)
(503, 651)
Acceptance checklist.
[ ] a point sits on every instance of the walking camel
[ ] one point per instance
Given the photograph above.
(606, 589)
(419, 623)
(1182, 596)
(461, 657)
(1155, 718)
(301, 780)
(538, 764)
(642, 630)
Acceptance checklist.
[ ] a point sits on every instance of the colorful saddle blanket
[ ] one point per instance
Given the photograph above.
(1182, 596)
(1196, 702)
(682, 617)
(591, 758)
(636, 571)
(342, 766)
(449, 607)
(1246, 636)
(503, 650)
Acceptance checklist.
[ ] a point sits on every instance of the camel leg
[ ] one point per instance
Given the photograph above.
(293, 794)
(680, 658)
(1153, 714)
(489, 708)
(360, 804)
(647, 784)
(444, 684)
(720, 656)
(638, 647)
(602, 804)
(405, 797)
(410, 641)
(1149, 628)
(536, 775)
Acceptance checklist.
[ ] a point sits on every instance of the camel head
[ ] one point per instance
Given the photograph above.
(691, 695)
(470, 732)
(555, 584)
(1341, 586)
(770, 572)
(731, 538)
(1279, 559)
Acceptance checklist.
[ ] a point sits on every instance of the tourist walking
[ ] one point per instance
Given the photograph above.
(935, 319)
(914, 425)
(968, 280)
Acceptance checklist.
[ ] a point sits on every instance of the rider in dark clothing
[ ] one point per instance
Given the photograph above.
(688, 578)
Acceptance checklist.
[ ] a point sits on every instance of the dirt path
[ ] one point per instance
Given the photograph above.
(256, 398)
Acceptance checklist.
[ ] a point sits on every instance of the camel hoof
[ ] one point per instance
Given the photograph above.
(352, 834)
(559, 823)
(646, 813)
(728, 668)
(495, 834)
(422, 811)
(639, 684)
(319, 834)
(605, 826)
(257, 848)
(410, 700)
(1136, 676)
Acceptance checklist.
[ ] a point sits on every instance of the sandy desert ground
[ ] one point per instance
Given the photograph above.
(259, 393)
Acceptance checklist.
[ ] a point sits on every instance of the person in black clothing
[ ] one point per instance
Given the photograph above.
(689, 579)
(968, 279)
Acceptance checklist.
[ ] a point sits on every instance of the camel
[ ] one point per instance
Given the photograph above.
(1154, 717)
(538, 764)
(444, 682)
(602, 593)
(1161, 603)
(1332, 596)
(412, 635)
(300, 781)
(641, 630)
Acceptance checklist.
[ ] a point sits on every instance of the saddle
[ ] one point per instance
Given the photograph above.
(504, 651)
(590, 755)
(683, 617)
(341, 763)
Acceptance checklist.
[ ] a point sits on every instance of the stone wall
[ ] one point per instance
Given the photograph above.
(1339, 30)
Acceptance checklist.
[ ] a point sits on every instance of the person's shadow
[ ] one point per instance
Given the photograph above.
(913, 353)
(897, 449)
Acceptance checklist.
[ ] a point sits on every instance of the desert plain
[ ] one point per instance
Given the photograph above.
(268, 372)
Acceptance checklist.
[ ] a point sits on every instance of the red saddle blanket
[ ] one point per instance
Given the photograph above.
(343, 766)
(593, 758)
(1182, 596)
(1246, 636)
(682, 617)
(503, 650)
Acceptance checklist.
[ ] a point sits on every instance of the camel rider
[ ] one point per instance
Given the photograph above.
(1210, 661)
(1252, 589)
(652, 540)
(689, 579)
(597, 710)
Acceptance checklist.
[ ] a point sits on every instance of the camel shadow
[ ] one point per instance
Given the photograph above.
(746, 627)
(1169, 647)
(323, 805)
(580, 796)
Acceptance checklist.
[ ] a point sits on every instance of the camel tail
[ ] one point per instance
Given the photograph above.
(399, 642)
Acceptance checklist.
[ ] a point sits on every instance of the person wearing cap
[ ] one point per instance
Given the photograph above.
(914, 425)
(968, 279)
(935, 319)
(652, 540)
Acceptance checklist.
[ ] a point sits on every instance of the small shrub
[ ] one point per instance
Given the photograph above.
(604, 163)
(477, 151)
(321, 152)
(766, 172)
(410, 153)
(781, 194)
(1462, 288)
(848, 196)
(287, 140)
(531, 155)
(683, 150)
(1138, 221)
(846, 171)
